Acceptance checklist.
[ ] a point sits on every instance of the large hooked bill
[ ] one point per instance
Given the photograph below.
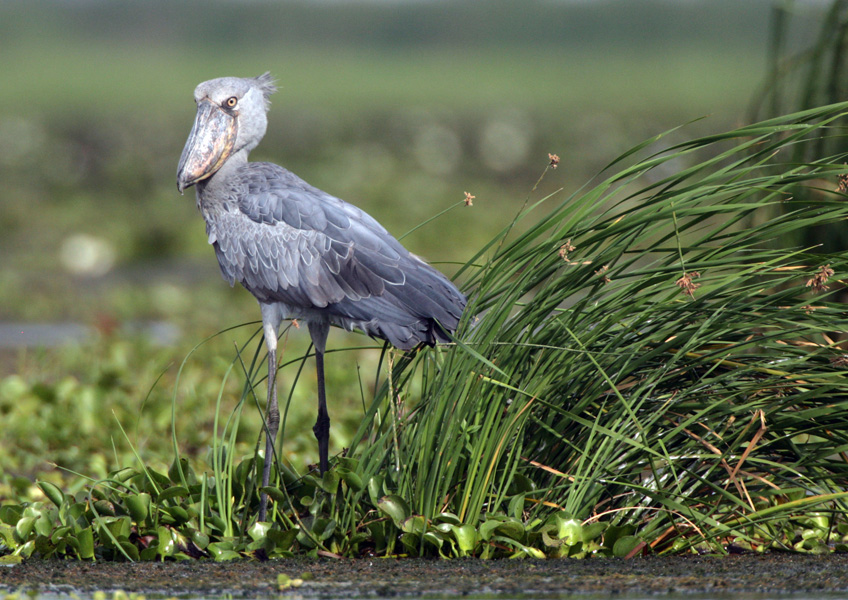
(209, 144)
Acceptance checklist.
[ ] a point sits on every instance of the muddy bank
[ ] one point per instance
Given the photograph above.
(381, 578)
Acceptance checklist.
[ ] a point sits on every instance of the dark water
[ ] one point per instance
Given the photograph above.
(739, 577)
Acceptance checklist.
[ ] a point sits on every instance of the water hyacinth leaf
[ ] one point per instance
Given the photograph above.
(447, 517)
(416, 524)
(411, 542)
(217, 522)
(487, 529)
(175, 491)
(283, 540)
(43, 547)
(444, 527)
(104, 508)
(149, 553)
(348, 462)
(305, 539)
(166, 546)
(138, 505)
(625, 545)
(77, 510)
(614, 532)
(594, 530)
(521, 550)
(157, 481)
(59, 533)
(130, 550)
(119, 526)
(43, 525)
(175, 515)
(8, 535)
(375, 488)
(516, 506)
(85, 541)
(512, 529)
(11, 513)
(394, 507)
(569, 530)
(330, 482)
(223, 551)
(180, 472)
(23, 528)
(265, 544)
(521, 484)
(324, 528)
(274, 493)
(53, 493)
(199, 538)
(125, 474)
(28, 548)
(435, 538)
(244, 471)
(466, 538)
(259, 530)
(350, 478)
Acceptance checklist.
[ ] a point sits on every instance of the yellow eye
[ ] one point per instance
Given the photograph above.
(231, 102)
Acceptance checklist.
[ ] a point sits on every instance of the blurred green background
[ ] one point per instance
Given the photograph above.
(398, 107)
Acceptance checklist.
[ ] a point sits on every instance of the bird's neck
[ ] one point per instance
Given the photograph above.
(219, 179)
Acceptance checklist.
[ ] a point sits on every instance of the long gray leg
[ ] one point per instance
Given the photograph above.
(272, 415)
(318, 330)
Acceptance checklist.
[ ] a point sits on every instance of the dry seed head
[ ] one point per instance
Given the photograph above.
(565, 249)
(842, 179)
(819, 280)
(554, 160)
(840, 361)
(468, 199)
(686, 285)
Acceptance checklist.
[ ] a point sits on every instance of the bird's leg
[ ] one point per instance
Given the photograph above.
(322, 425)
(319, 331)
(272, 423)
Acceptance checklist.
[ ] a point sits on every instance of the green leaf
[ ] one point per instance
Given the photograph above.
(167, 546)
(275, 494)
(625, 545)
(85, 541)
(175, 491)
(415, 524)
(283, 540)
(375, 488)
(138, 505)
(466, 538)
(350, 478)
(395, 508)
(569, 530)
(259, 530)
(53, 493)
(23, 528)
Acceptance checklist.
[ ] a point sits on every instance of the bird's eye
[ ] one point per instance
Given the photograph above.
(231, 102)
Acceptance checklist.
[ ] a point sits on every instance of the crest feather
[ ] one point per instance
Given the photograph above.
(266, 85)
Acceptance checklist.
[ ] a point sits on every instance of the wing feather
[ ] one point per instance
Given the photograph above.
(289, 242)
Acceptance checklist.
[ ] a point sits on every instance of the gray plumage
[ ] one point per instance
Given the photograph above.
(321, 258)
(301, 252)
